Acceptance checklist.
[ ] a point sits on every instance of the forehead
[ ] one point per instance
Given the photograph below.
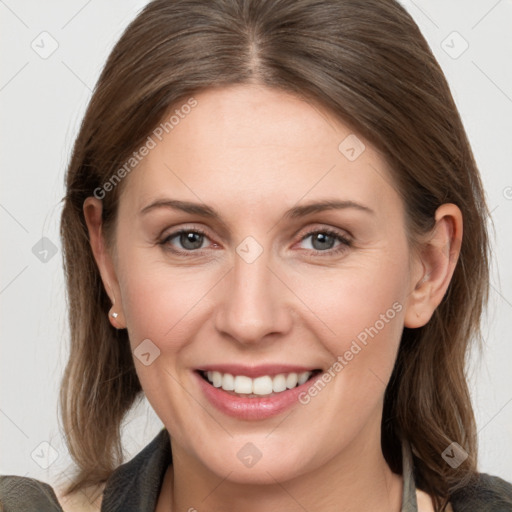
(241, 145)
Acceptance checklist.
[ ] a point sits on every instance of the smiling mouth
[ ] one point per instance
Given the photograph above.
(265, 385)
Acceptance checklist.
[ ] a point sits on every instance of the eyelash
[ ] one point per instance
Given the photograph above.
(345, 242)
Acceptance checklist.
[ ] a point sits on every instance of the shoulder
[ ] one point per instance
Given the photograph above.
(23, 494)
(485, 493)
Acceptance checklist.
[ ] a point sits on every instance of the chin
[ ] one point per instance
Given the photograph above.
(261, 462)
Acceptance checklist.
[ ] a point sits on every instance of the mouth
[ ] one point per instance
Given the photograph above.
(265, 385)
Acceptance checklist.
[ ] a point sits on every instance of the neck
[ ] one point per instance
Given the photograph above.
(355, 480)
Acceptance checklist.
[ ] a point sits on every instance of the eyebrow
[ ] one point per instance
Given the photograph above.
(293, 213)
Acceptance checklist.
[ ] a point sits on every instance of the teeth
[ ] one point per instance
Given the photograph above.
(291, 380)
(264, 385)
(279, 383)
(243, 384)
(217, 379)
(303, 377)
(228, 382)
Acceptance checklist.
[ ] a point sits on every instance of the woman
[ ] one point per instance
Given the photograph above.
(274, 229)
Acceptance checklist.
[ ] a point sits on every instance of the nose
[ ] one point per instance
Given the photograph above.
(253, 304)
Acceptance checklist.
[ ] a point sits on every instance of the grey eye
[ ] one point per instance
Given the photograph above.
(191, 240)
(321, 241)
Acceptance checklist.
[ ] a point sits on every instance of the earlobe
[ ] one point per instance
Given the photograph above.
(115, 318)
(93, 209)
(437, 257)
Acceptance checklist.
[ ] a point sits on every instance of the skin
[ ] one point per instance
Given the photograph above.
(252, 153)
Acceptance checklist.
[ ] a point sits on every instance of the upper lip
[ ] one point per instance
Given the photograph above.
(256, 371)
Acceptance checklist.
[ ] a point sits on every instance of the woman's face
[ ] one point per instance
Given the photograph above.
(267, 287)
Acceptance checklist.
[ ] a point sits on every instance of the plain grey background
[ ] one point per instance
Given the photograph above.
(52, 55)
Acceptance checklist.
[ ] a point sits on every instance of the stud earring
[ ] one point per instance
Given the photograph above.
(114, 314)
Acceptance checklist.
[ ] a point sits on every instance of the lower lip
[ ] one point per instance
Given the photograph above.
(252, 408)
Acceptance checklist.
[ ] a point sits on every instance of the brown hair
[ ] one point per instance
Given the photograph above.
(367, 62)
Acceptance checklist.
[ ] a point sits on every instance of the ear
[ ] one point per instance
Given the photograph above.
(435, 263)
(93, 209)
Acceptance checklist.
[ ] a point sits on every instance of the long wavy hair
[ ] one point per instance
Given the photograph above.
(368, 63)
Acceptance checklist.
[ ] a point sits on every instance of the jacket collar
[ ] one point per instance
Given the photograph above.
(135, 485)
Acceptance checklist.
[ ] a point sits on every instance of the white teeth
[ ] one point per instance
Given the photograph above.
(279, 383)
(217, 379)
(243, 384)
(303, 377)
(264, 385)
(291, 380)
(228, 382)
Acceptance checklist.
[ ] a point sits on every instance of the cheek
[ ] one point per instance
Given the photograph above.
(362, 316)
(161, 302)
(359, 302)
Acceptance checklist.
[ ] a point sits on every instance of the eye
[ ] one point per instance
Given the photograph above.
(191, 240)
(323, 241)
